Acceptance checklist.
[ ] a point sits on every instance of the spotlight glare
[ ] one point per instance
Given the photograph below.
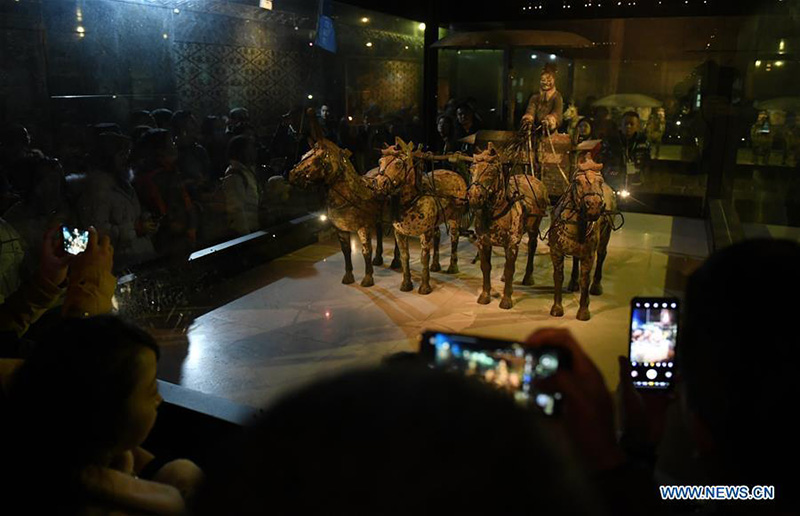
(369, 43)
(310, 96)
(552, 57)
(364, 20)
(624, 194)
(323, 217)
(421, 26)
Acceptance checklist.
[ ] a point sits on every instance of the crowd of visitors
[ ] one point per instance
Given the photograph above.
(166, 186)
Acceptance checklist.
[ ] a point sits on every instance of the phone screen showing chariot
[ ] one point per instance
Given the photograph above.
(505, 365)
(653, 335)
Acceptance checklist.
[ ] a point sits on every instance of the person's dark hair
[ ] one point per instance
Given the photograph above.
(630, 114)
(237, 147)
(239, 115)
(14, 136)
(451, 124)
(395, 440)
(142, 117)
(180, 121)
(67, 403)
(149, 147)
(107, 147)
(138, 131)
(466, 107)
(243, 129)
(738, 356)
(208, 125)
(163, 117)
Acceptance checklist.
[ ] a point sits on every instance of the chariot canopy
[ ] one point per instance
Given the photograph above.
(632, 100)
(513, 38)
(780, 104)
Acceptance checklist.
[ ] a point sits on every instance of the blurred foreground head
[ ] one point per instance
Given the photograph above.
(738, 356)
(395, 440)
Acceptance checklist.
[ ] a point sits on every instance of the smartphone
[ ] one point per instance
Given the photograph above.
(504, 364)
(75, 240)
(653, 336)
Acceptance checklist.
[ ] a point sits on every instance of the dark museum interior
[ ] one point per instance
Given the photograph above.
(425, 257)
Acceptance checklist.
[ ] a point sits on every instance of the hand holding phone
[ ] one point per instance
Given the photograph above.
(54, 261)
(588, 412)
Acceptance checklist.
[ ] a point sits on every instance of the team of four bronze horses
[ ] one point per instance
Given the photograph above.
(505, 207)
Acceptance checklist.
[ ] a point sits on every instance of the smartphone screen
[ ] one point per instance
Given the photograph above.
(653, 335)
(75, 240)
(505, 365)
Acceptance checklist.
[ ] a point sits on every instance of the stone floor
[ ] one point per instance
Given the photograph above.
(298, 322)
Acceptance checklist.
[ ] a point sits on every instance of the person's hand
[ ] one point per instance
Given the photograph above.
(54, 261)
(98, 254)
(642, 414)
(588, 412)
(526, 122)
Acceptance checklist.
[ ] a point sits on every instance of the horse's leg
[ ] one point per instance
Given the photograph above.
(454, 229)
(511, 261)
(533, 241)
(558, 280)
(402, 244)
(437, 236)
(396, 256)
(366, 250)
(344, 241)
(586, 271)
(378, 260)
(425, 241)
(573, 277)
(485, 252)
(602, 251)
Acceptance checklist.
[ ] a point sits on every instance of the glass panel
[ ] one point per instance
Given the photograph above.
(472, 79)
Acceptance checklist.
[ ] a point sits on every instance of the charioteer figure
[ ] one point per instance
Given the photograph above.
(546, 107)
(544, 114)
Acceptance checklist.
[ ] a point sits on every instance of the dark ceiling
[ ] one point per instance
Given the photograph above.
(516, 13)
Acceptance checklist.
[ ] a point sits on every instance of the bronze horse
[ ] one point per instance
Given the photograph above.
(352, 205)
(423, 201)
(505, 208)
(574, 232)
(604, 228)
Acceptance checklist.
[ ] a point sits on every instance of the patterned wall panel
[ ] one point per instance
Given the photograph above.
(391, 85)
(212, 79)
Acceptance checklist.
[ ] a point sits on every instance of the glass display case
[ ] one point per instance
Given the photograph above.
(172, 126)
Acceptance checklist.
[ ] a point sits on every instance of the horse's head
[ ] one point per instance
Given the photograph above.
(571, 113)
(318, 165)
(487, 178)
(587, 194)
(395, 165)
